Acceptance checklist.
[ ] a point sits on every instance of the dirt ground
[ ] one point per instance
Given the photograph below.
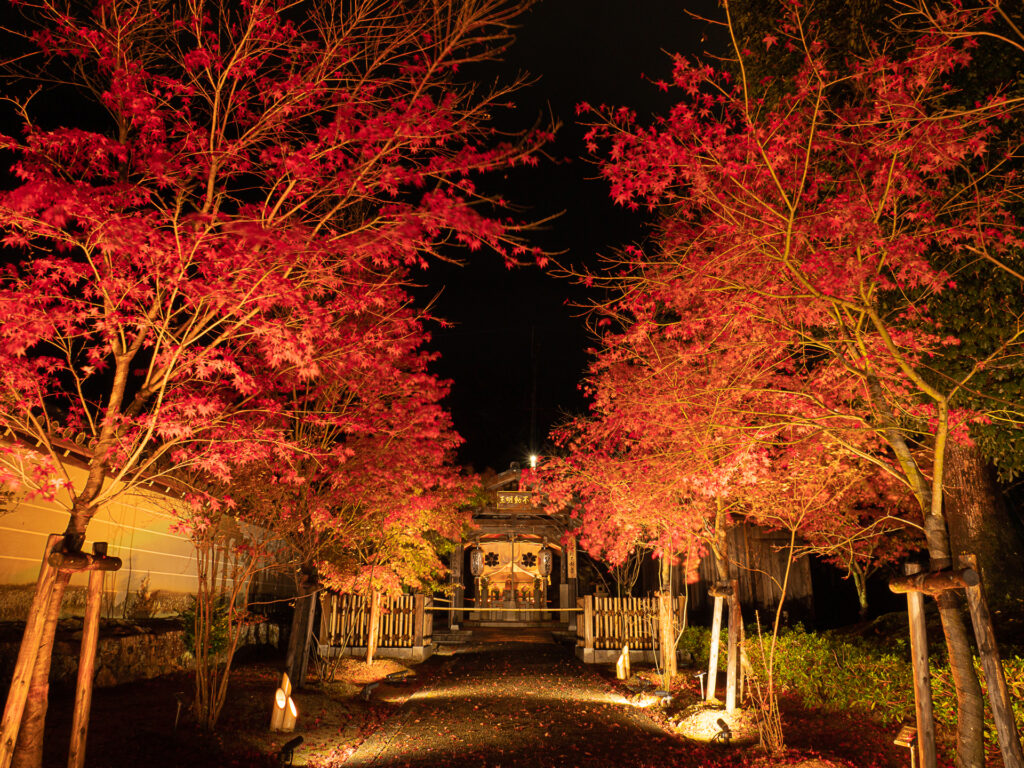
(491, 704)
(134, 724)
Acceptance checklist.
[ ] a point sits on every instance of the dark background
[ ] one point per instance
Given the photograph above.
(517, 348)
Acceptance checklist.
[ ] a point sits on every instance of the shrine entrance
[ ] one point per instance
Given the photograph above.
(512, 585)
(513, 569)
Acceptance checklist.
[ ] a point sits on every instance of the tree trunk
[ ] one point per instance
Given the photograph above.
(29, 750)
(373, 627)
(301, 631)
(861, 585)
(970, 705)
(970, 714)
(979, 524)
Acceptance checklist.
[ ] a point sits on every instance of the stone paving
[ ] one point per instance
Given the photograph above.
(498, 704)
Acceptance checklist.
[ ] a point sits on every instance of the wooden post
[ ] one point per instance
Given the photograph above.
(86, 670)
(922, 677)
(18, 692)
(419, 602)
(934, 582)
(588, 626)
(333, 629)
(716, 631)
(458, 588)
(998, 696)
(579, 624)
(733, 662)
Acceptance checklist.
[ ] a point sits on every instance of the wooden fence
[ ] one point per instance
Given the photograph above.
(757, 558)
(609, 623)
(404, 624)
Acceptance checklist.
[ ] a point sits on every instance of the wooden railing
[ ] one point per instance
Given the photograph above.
(404, 622)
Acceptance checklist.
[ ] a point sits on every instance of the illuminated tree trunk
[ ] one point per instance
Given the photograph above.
(374, 622)
(860, 583)
(979, 524)
(29, 747)
(667, 624)
(970, 704)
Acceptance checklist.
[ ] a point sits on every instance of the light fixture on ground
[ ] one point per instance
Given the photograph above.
(285, 712)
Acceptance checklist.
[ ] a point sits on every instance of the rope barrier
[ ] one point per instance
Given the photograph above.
(531, 610)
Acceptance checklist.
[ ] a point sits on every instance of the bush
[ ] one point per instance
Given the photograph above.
(838, 673)
(841, 673)
(696, 641)
(218, 629)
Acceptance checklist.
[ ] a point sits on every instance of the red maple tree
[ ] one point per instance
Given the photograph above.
(246, 184)
(809, 234)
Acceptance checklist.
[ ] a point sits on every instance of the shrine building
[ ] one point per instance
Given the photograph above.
(512, 569)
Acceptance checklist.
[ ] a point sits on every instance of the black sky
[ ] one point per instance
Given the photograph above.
(596, 51)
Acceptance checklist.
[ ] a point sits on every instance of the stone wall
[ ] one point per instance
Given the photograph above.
(128, 651)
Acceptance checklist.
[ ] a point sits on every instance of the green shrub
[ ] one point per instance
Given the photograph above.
(839, 673)
(696, 642)
(218, 628)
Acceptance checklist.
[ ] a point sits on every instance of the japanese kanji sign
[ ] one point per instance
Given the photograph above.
(515, 500)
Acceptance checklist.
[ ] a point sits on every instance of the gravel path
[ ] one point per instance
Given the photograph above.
(501, 705)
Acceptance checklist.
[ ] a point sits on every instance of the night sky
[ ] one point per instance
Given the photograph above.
(596, 51)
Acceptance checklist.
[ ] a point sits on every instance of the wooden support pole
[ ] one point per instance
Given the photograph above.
(733, 661)
(934, 582)
(86, 669)
(720, 590)
(588, 623)
(995, 680)
(34, 623)
(922, 677)
(716, 632)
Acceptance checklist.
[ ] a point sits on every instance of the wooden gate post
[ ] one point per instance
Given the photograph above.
(716, 631)
(922, 677)
(995, 680)
(18, 692)
(733, 662)
(588, 628)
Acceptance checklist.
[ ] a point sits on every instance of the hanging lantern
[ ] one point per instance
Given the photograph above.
(544, 560)
(476, 561)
